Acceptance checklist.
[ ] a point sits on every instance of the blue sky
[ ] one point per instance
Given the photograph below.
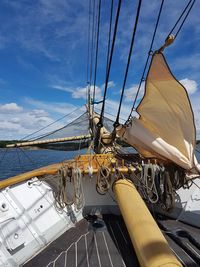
(43, 52)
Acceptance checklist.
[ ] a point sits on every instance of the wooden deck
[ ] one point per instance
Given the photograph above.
(87, 245)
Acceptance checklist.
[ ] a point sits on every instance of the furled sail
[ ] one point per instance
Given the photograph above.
(165, 128)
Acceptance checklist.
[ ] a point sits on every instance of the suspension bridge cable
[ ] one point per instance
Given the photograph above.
(147, 60)
(100, 123)
(128, 62)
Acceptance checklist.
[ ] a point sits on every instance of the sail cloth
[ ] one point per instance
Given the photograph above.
(165, 128)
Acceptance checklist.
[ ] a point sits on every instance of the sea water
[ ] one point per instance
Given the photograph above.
(16, 161)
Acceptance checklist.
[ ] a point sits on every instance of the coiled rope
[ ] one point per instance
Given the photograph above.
(103, 180)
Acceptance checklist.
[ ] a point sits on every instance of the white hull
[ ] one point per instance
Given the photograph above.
(29, 220)
(187, 204)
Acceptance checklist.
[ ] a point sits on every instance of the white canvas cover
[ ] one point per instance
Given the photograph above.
(165, 128)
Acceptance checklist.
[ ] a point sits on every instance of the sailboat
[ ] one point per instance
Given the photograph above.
(111, 208)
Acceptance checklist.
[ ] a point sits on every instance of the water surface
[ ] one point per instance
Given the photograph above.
(16, 161)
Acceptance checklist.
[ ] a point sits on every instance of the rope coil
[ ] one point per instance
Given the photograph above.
(103, 180)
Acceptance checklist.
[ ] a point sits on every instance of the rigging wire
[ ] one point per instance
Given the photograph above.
(109, 36)
(54, 131)
(180, 17)
(19, 160)
(111, 114)
(50, 124)
(147, 60)
(96, 56)
(190, 3)
(100, 123)
(92, 42)
(3, 156)
(88, 48)
(28, 157)
(128, 62)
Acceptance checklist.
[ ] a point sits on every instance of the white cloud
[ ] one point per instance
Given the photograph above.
(38, 113)
(110, 85)
(80, 92)
(50, 107)
(10, 108)
(62, 88)
(190, 85)
(17, 121)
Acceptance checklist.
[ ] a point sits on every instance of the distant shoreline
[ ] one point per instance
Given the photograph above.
(3, 144)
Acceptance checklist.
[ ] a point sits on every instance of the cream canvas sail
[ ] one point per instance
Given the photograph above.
(165, 128)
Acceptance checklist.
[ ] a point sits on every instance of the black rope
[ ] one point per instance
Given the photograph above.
(88, 48)
(92, 42)
(180, 17)
(147, 60)
(184, 19)
(128, 62)
(111, 115)
(91, 38)
(109, 36)
(100, 123)
(97, 48)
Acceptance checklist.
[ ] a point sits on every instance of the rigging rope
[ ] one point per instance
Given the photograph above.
(49, 124)
(180, 17)
(100, 123)
(92, 42)
(109, 36)
(29, 158)
(96, 56)
(128, 62)
(147, 60)
(3, 156)
(52, 132)
(88, 48)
